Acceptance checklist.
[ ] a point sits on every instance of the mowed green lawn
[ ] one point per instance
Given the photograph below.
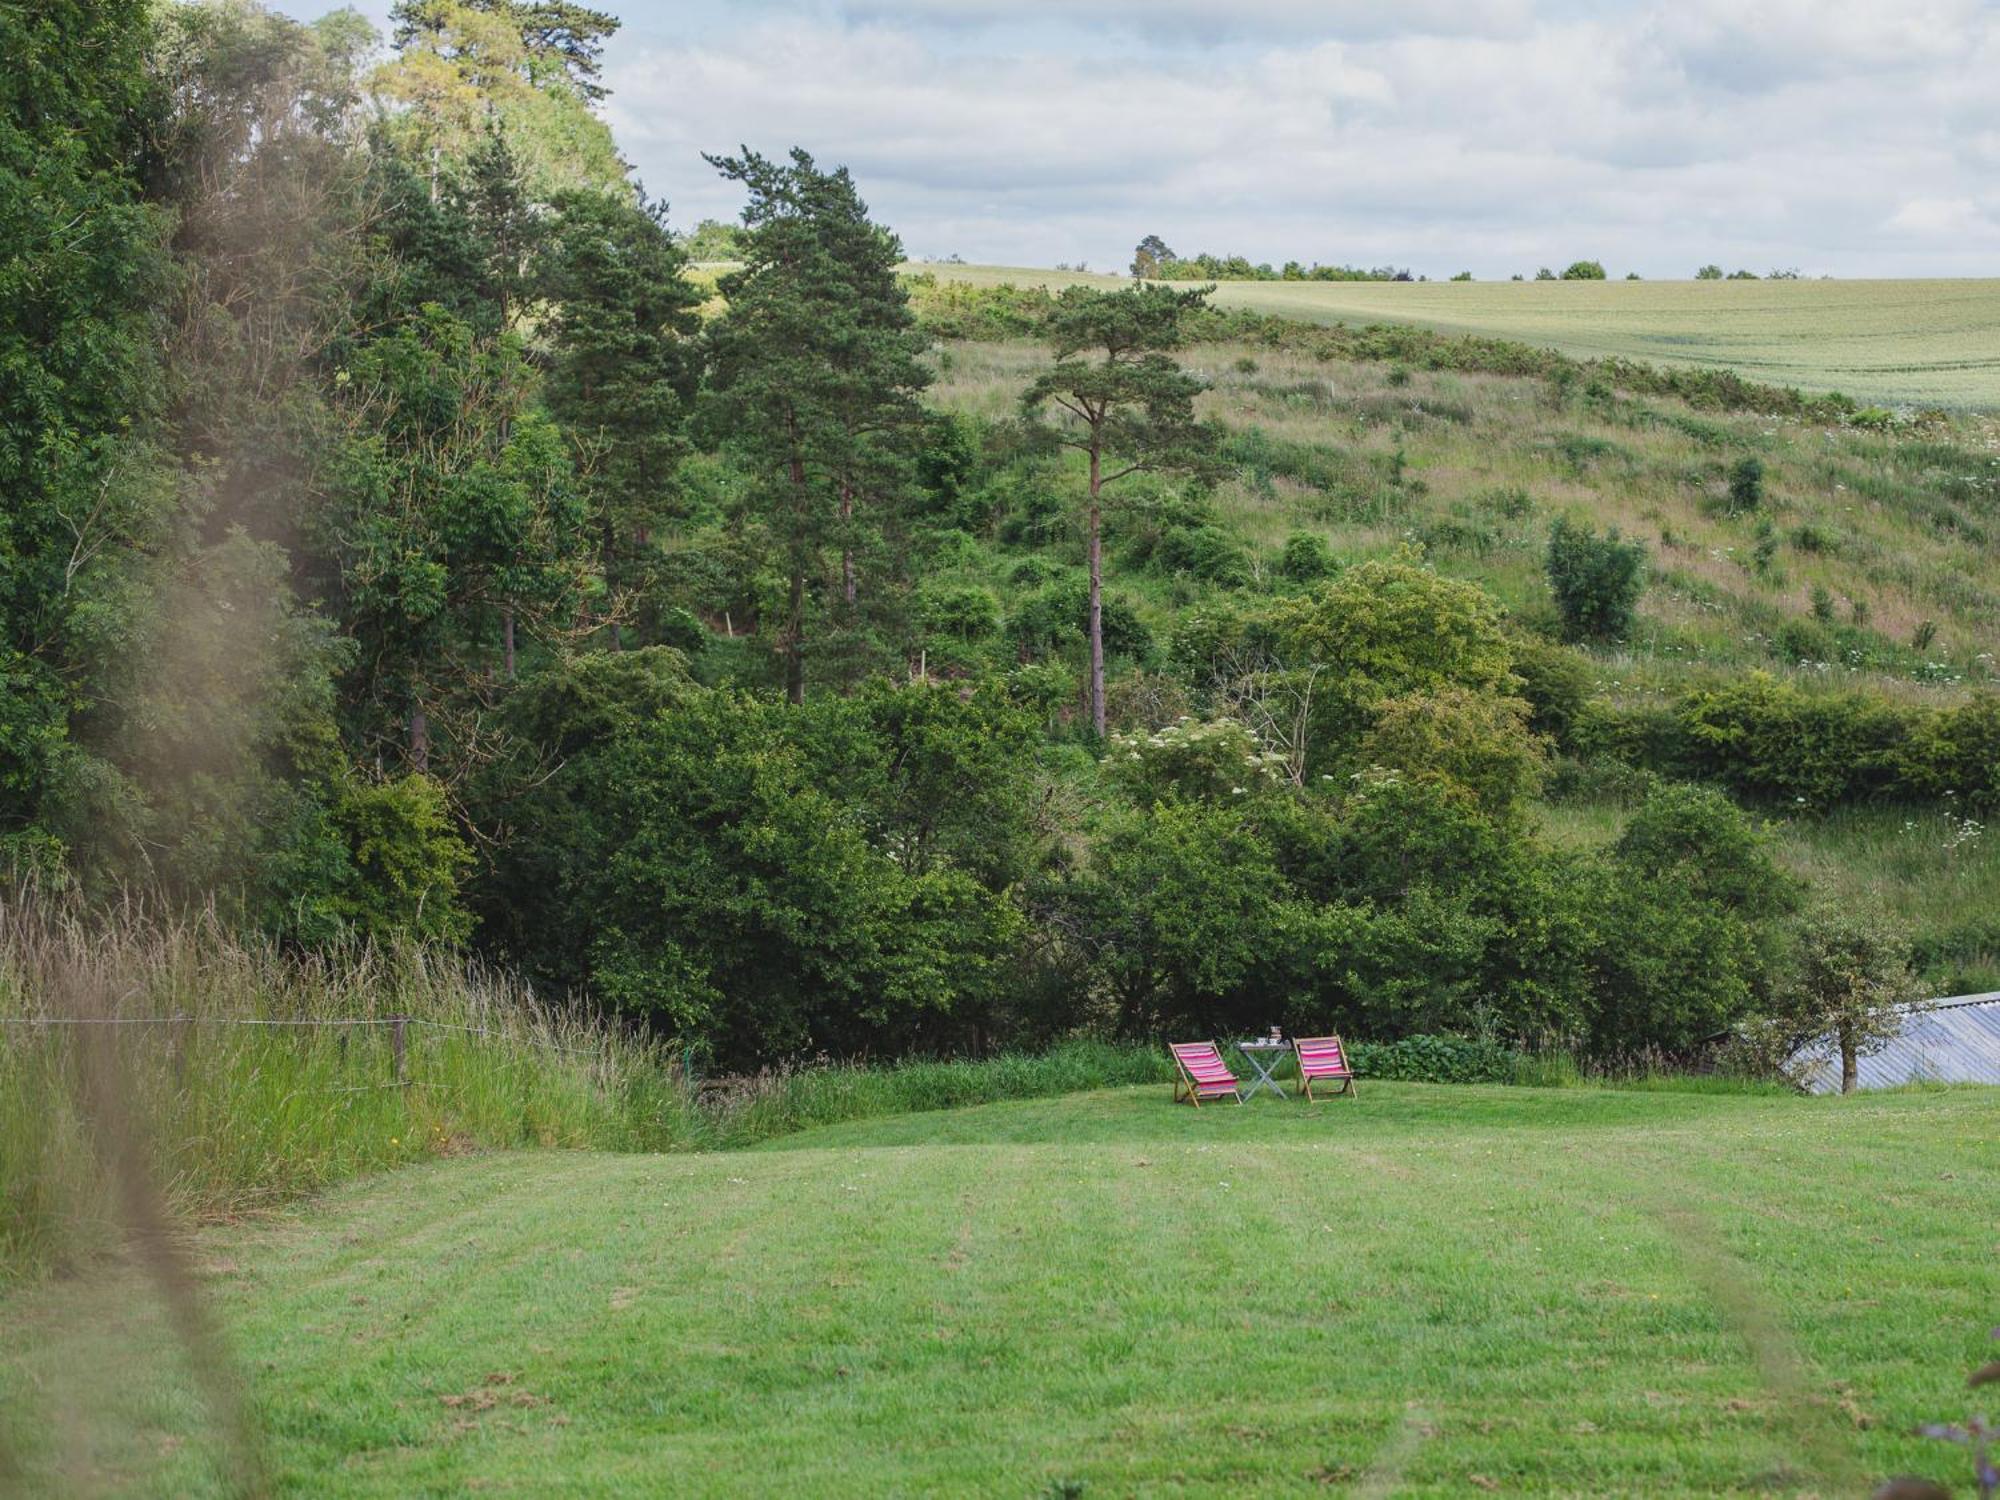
(1923, 342)
(1426, 1291)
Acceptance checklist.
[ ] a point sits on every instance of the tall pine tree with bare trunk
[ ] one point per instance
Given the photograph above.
(1121, 400)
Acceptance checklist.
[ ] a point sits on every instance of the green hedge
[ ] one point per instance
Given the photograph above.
(959, 310)
(1436, 1059)
(1765, 738)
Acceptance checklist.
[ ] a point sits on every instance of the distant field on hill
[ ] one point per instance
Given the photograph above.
(1916, 342)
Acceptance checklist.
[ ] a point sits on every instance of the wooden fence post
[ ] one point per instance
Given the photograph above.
(397, 1024)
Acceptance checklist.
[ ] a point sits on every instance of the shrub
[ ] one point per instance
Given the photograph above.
(1386, 629)
(1803, 641)
(1682, 928)
(962, 611)
(1746, 483)
(408, 858)
(1191, 760)
(1054, 619)
(1597, 580)
(1773, 739)
(1479, 741)
(1205, 551)
(1583, 270)
(1436, 1059)
(1307, 557)
(1556, 682)
(681, 629)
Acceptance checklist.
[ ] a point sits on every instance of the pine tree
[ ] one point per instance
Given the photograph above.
(1129, 404)
(493, 196)
(815, 371)
(623, 368)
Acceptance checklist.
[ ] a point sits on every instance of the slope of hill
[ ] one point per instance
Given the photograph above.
(1869, 563)
(1922, 343)
(1421, 1291)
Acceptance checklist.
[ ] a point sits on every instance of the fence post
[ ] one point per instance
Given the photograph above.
(396, 1025)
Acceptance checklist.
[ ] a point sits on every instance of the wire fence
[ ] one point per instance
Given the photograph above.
(399, 1032)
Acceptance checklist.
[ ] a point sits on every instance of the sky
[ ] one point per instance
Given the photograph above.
(1836, 137)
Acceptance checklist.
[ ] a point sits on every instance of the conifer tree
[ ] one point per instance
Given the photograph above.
(624, 364)
(1127, 404)
(815, 371)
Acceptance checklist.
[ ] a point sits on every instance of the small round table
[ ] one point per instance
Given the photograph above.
(1264, 1055)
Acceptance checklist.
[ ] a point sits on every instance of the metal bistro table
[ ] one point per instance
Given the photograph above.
(1264, 1056)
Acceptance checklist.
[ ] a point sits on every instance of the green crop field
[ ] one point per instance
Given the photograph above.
(1425, 1291)
(1912, 342)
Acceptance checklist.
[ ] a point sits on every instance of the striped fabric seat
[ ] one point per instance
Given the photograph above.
(1201, 1073)
(1324, 1058)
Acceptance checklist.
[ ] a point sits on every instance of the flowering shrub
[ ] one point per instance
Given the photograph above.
(1192, 760)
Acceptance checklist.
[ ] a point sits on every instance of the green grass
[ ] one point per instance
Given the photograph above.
(1425, 1291)
(1921, 342)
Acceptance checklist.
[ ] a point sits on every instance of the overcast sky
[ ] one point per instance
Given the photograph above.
(1850, 137)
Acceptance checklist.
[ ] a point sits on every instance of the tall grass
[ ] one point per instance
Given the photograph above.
(760, 1107)
(250, 1075)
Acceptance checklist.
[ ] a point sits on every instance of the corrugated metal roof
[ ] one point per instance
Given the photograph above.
(1948, 1041)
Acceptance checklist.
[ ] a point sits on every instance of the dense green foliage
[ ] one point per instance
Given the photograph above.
(404, 546)
(1596, 580)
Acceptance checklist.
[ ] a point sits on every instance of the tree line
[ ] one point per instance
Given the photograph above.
(399, 548)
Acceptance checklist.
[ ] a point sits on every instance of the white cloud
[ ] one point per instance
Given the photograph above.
(1834, 135)
(1938, 218)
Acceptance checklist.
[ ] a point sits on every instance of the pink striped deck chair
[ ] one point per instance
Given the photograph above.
(1324, 1058)
(1202, 1073)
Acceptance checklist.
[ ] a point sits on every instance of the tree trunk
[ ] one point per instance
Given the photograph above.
(795, 626)
(420, 741)
(1096, 599)
(507, 636)
(1850, 1063)
(846, 547)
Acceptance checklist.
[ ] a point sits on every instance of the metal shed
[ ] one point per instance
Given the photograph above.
(1956, 1040)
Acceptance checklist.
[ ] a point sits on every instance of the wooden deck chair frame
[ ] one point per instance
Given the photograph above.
(1185, 1081)
(1346, 1079)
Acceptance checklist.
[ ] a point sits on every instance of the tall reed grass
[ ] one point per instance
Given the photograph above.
(249, 1074)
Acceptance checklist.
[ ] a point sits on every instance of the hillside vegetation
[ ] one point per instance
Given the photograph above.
(408, 547)
(1914, 343)
(1425, 1291)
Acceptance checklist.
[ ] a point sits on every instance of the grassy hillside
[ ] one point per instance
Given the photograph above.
(1425, 1291)
(1898, 528)
(1922, 343)
(1870, 563)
